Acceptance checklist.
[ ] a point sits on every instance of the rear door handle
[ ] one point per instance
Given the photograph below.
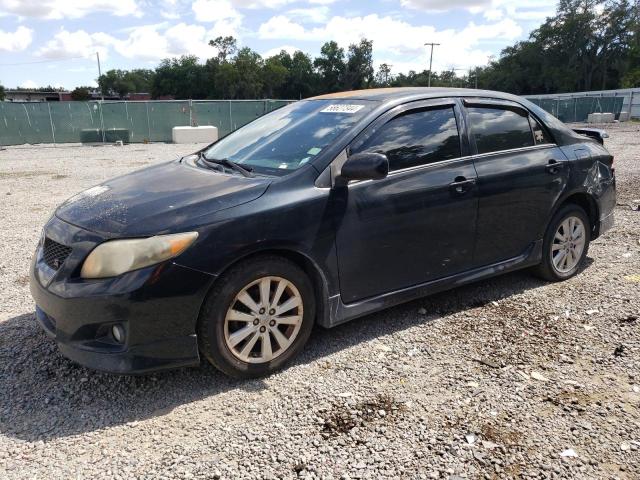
(462, 185)
(554, 166)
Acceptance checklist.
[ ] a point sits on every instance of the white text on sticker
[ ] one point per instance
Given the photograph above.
(341, 108)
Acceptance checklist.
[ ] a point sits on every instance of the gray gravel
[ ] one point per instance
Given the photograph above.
(509, 377)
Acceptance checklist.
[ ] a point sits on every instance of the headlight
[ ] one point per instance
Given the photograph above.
(116, 257)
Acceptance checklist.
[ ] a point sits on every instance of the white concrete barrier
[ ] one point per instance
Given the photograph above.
(594, 118)
(624, 117)
(608, 117)
(203, 134)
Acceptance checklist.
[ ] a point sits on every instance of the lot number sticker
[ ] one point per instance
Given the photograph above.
(341, 108)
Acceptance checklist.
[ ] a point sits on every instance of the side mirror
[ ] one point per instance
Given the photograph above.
(365, 166)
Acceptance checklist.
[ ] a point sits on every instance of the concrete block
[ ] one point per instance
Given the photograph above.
(624, 117)
(203, 134)
(608, 117)
(594, 118)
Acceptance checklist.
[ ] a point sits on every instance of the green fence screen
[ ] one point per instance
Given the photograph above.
(577, 109)
(152, 121)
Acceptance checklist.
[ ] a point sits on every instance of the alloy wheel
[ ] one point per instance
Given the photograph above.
(263, 320)
(568, 244)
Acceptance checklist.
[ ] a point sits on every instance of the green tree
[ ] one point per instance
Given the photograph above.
(249, 67)
(2, 93)
(587, 44)
(181, 78)
(331, 67)
(123, 82)
(631, 79)
(359, 70)
(115, 82)
(81, 93)
(226, 46)
(274, 75)
(226, 80)
(302, 80)
(141, 79)
(383, 77)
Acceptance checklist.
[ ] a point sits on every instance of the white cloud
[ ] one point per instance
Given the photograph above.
(290, 49)
(16, 41)
(256, 4)
(493, 14)
(154, 42)
(75, 44)
(442, 5)
(227, 27)
(396, 38)
(214, 10)
(478, 6)
(59, 9)
(281, 27)
(147, 42)
(227, 20)
(28, 84)
(312, 15)
(492, 10)
(532, 15)
(191, 39)
(170, 15)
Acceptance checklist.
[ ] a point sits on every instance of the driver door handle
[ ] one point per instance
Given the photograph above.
(461, 185)
(554, 166)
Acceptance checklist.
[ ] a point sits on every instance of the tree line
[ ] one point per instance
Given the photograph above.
(241, 73)
(585, 45)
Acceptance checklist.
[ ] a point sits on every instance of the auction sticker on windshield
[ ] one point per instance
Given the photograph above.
(341, 108)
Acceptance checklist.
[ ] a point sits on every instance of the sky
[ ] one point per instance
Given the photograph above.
(53, 42)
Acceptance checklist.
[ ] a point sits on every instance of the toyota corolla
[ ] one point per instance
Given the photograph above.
(322, 211)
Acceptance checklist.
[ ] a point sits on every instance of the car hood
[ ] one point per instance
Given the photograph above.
(165, 198)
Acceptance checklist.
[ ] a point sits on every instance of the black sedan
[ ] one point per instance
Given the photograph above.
(322, 211)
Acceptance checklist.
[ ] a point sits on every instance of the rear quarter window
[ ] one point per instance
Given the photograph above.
(496, 129)
(540, 135)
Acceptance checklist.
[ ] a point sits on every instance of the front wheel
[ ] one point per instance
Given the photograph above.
(565, 245)
(257, 317)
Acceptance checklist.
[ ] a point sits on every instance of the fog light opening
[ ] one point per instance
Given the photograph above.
(118, 333)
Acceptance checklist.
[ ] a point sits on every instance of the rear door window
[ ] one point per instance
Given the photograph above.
(495, 129)
(417, 137)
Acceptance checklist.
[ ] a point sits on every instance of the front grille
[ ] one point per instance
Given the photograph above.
(54, 253)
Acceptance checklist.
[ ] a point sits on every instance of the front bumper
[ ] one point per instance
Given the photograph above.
(157, 307)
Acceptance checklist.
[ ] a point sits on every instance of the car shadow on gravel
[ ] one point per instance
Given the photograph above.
(45, 396)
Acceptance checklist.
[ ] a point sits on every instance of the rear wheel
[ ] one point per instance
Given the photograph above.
(258, 316)
(565, 245)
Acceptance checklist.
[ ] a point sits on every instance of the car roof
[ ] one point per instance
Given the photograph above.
(412, 93)
(388, 97)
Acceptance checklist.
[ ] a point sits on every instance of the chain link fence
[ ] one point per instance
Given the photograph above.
(135, 121)
(576, 107)
(152, 121)
(572, 110)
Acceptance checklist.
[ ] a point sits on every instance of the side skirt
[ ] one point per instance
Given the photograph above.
(341, 312)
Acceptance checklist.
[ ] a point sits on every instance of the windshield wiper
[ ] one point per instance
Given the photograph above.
(225, 162)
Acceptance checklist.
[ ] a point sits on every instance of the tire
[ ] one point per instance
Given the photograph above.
(225, 313)
(553, 247)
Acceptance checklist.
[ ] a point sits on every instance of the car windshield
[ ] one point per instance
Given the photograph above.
(288, 138)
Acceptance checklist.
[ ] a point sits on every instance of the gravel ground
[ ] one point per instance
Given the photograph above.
(510, 377)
